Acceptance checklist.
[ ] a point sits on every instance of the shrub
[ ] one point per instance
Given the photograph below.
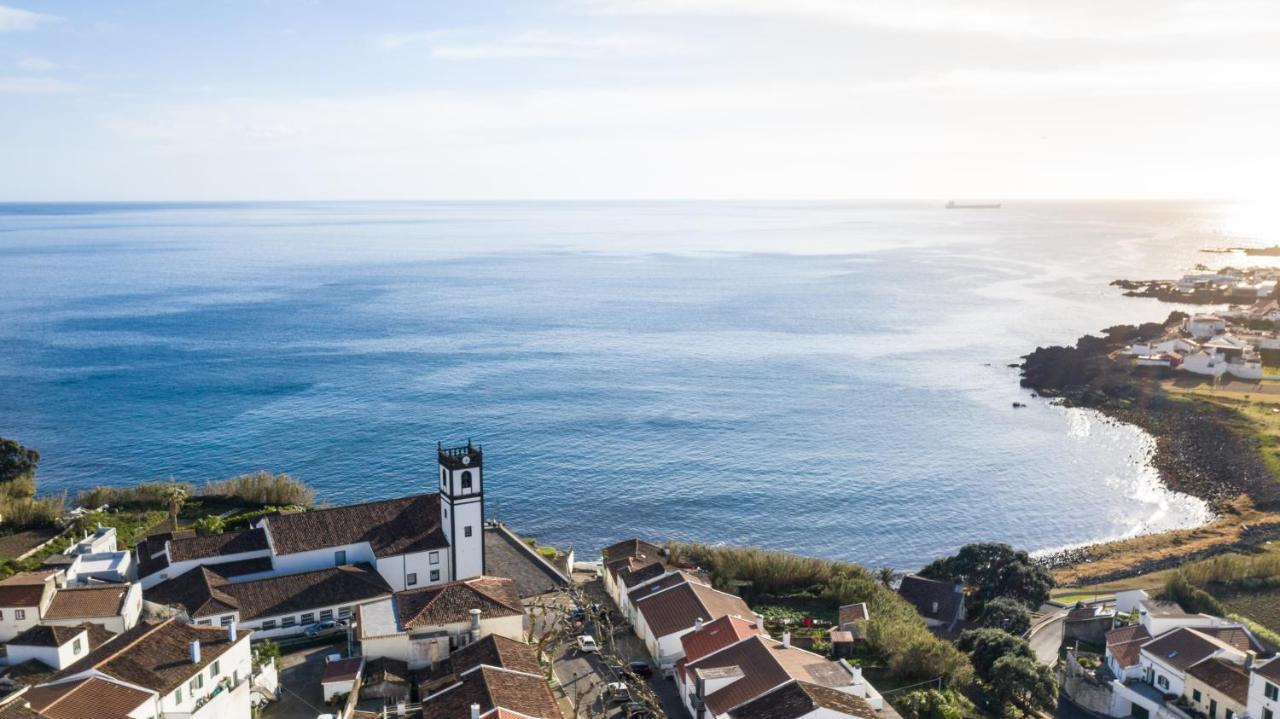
(145, 495)
(549, 553)
(930, 704)
(1190, 597)
(985, 647)
(993, 570)
(26, 513)
(263, 488)
(212, 524)
(1233, 569)
(1024, 682)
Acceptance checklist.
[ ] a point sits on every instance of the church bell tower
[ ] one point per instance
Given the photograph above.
(462, 508)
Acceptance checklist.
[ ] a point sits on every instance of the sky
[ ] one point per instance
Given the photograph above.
(639, 99)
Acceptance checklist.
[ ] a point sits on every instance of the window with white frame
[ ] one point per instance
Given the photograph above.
(326, 615)
(269, 624)
(288, 622)
(412, 579)
(434, 557)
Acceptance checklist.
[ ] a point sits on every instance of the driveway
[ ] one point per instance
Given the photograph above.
(300, 693)
(1046, 638)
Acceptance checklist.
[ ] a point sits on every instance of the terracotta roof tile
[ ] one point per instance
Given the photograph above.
(850, 613)
(453, 602)
(797, 699)
(94, 601)
(1229, 678)
(155, 656)
(1270, 670)
(203, 592)
(496, 650)
(18, 709)
(493, 688)
(631, 548)
(391, 527)
(342, 670)
(56, 635)
(678, 608)
(90, 697)
(22, 590)
(717, 635)
(765, 664)
(1182, 647)
(218, 545)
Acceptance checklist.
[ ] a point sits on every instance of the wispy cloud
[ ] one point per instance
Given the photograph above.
(35, 85)
(462, 46)
(1083, 19)
(14, 20)
(37, 64)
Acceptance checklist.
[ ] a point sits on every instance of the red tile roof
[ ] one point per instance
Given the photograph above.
(799, 699)
(342, 670)
(493, 688)
(83, 602)
(155, 656)
(89, 697)
(678, 608)
(765, 664)
(391, 527)
(453, 602)
(1125, 644)
(717, 635)
(1227, 677)
(22, 590)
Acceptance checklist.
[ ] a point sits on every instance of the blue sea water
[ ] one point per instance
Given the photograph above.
(825, 378)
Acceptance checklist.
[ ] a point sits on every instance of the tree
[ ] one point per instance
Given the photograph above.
(1025, 683)
(885, 575)
(175, 494)
(985, 647)
(993, 570)
(18, 468)
(1007, 614)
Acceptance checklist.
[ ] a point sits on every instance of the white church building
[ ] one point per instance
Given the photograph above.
(412, 542)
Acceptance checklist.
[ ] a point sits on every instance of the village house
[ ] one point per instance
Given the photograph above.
(422, 627)
(667, 609)
(339, 677)
(1264, 691)
(274, 606)
(29, 599)
(730, 663)
(494, 677)
(940, 603)
(94, 559)
(415, 541)
(23, 600)
(1203, 327)
(56, 647)
(167, 670)
(1217, 688)
(804, 700)
(631, 555)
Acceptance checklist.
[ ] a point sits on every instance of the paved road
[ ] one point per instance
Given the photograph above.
(300, 693)
(1046, 640)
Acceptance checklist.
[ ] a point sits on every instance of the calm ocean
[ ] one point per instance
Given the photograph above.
(824, 378)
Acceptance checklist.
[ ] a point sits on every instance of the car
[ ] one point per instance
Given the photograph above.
(587, 644)
(319, 627)
(616, 693)
(577, 614)
(640, 669)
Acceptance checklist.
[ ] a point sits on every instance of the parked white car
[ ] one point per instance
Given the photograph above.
(587, 644)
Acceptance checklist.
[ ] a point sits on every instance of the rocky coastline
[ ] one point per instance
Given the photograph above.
(1202, 449)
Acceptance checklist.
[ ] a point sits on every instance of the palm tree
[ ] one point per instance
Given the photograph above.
(176, 494)
(885, 575)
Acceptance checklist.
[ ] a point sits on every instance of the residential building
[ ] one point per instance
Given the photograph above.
(56, 647)
(339, 677)
(630, 555)
(667, 609)
(1217, 688)
(115, 607)
(1264, 690)
(940, 603)
(415, 541)
(274, 606)
(167, 670)
(23, 599)
(729, 676)
(1124, 650)
(1164, 665)
(493, 677)
(421, 627)
(805, 700)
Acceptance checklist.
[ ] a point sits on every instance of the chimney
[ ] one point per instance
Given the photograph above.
(697, 624)
(475, 711)
(475, 625)
(195, 651)
(786, 640)
(1250, 658)
(231, 632)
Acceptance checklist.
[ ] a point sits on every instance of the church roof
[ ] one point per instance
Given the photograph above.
(390, 526)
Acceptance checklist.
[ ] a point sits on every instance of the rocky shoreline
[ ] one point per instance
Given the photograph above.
(1202, 449)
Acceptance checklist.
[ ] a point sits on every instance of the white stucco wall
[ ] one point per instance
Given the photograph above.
(315, 559)
(433, 642)
(1259, 704)
(177, 569)
(396, 569)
